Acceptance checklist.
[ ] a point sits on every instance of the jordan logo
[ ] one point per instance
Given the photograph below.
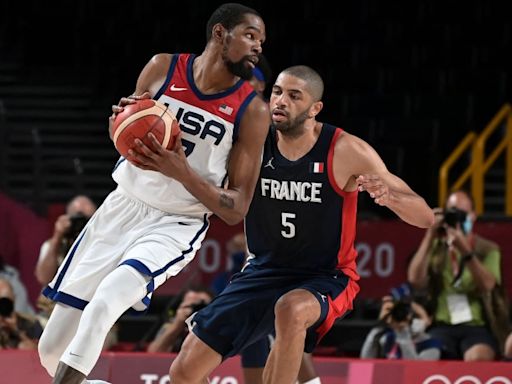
(269, 164)
(174, 88)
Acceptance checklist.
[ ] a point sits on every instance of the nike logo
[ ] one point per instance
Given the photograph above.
(74, 354)
(323, 297)
(175, 88)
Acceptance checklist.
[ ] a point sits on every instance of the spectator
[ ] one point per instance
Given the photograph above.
(12, 275)
(17, 331)
(236, 248)
(173, 332)
(66, 229)
(401, 334)
(461, 271)
(508, 348)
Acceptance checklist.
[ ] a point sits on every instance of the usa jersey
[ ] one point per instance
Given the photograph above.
(210, 126)
(299, 218)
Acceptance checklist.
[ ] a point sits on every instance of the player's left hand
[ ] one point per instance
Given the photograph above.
(376, 187)
(154, 157)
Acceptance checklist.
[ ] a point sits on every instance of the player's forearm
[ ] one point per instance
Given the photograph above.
(225, 203)
(411, 208)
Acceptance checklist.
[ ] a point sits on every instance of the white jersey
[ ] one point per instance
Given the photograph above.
(210, 126)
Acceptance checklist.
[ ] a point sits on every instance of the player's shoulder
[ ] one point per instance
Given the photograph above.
(161, 60)
(257, 109)
(349, 143)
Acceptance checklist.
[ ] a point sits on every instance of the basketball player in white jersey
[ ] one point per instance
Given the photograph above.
(151, 226)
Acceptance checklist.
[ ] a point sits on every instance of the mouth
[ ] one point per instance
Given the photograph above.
(252, 60)
(279, 115)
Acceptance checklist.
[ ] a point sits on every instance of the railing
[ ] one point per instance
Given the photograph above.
(479, 164)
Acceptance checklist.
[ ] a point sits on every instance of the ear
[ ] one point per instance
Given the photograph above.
(315, 108)
(218, 32)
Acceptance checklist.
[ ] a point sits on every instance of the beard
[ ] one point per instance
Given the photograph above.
(292, 127)
(238, 68)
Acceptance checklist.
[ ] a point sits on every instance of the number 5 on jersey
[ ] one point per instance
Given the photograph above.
(289, 228)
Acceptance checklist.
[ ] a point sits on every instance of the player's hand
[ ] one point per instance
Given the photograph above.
(154, 157)
(375, 187)
(120, 107)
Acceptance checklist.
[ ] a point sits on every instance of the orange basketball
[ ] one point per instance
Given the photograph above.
(138, 120)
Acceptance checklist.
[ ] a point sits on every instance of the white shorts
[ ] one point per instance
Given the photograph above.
(126, 231)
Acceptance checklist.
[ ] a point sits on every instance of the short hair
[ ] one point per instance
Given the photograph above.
(311, 77)
(229, 15)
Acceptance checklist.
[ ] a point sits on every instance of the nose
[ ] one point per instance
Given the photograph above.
(257, 49)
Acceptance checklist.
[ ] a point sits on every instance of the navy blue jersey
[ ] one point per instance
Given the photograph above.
(299, 218)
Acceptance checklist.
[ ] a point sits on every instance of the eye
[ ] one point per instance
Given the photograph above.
(249, 35)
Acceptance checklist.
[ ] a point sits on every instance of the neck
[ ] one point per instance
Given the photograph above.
(211, 74)
(293, 147)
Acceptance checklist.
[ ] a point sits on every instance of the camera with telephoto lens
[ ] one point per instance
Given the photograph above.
(6, 307)
(78, 221)
(198, 306)
(454, 216)
(402, 298)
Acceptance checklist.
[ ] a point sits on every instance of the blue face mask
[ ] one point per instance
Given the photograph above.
(467, 225)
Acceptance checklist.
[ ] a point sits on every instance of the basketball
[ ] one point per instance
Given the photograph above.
(138, 120)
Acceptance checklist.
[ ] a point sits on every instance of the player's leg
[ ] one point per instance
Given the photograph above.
(119, 290)
(194, 363)
(253, 359)
(57, 334)
(307, 371)
(295, 312)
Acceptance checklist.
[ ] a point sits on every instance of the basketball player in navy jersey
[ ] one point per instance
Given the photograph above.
(300, 231)
(150, 227)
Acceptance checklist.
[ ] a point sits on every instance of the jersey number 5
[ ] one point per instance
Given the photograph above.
(289, 228)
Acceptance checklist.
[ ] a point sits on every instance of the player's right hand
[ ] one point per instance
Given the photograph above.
(120, 108)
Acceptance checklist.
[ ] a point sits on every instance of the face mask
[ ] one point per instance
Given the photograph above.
(467, 225)
(418, 326)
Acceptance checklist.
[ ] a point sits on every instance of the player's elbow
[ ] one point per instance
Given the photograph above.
(429, 219)
(233, 219)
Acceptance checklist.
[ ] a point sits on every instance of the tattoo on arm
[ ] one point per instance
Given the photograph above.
(226, 201)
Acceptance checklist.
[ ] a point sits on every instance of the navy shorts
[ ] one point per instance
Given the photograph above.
(256, 354)
(244, 312)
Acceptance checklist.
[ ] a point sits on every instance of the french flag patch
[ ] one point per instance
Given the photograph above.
(316, 167)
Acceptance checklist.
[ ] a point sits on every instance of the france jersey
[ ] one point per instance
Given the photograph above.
(210, 126)
(299, 218)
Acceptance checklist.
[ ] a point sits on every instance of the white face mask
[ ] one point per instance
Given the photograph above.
(418, 326)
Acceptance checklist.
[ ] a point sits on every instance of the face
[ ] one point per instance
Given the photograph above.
(290, 104)
(242, 45)
(462, 202)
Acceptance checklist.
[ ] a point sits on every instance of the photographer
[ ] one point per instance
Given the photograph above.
(171, 335)
(460, 270)
(17, 331)
(401, 332)
(66, 229)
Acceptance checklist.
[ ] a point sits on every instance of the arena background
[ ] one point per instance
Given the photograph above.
(410, 77)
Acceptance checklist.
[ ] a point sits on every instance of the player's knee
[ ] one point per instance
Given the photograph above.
(97, 311)
(179, 374)
(291, 313)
